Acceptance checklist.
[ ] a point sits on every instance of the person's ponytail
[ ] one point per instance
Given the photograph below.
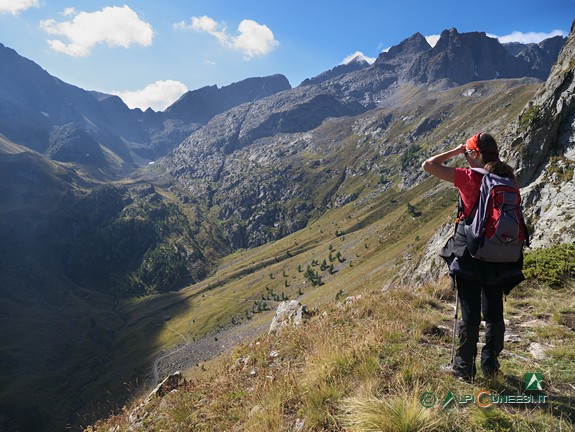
(500, 168)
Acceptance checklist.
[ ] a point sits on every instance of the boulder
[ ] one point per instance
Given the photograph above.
(289, 313)
(170, 383)
(140, 412)
(537, 351)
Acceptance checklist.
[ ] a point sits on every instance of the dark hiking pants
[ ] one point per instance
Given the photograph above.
(475, 300)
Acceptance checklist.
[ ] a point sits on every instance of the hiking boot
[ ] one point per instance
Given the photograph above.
(448, 370)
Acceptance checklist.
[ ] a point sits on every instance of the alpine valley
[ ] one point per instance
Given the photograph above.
(127, 237)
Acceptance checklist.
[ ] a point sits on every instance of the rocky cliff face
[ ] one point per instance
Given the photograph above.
(460, 58)
(543, 141)
(543, 55)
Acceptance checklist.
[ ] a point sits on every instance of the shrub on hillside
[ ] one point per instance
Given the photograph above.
(552, 266)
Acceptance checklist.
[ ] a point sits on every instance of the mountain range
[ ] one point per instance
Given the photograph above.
(91, 228)
(42, 112)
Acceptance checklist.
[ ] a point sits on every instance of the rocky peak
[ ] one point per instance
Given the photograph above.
(515, 48)
(542, 56)
(201, 105)
(413, 45)
(460, 58)
(552, 45)
(360, 58)
(447, 38)
(356, 63)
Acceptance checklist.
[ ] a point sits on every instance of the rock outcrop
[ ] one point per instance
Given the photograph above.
(289, 313)
(543, 141)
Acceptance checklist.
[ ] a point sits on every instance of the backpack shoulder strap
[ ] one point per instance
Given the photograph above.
(481, 171)
(471, 215)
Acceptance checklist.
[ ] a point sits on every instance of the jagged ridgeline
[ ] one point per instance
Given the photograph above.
(259, 193)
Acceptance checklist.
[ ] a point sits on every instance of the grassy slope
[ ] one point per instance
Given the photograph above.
(355, 361)
(364, 365)
(246, 275)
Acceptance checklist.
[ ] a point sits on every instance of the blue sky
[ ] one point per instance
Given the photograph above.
(150, 51)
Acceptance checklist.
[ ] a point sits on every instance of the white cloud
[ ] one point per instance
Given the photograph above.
(208, 25)
(16, 6)
(253, 39)
(432, 39)
(350, 57)
(529, 37)
(114, 26)
(158, 95)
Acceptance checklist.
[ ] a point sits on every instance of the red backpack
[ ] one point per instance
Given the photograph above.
(495, 229)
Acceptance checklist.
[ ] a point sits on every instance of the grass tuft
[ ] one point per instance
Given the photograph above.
(397, 411)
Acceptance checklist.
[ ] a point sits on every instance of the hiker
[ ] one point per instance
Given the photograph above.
(480, 285)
